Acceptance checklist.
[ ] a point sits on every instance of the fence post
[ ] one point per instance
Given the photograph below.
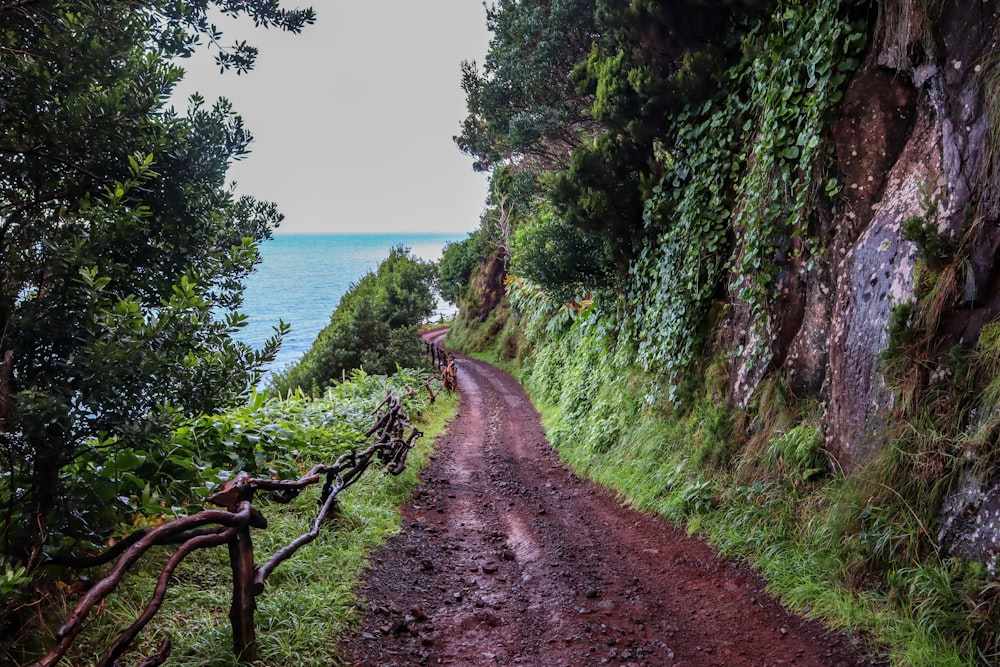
(233, 495)
(242, 608)
(234, 529)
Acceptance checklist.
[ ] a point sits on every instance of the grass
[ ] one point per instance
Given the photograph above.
(988, 80)
(308, 601)
(854, 551)
(497, 341)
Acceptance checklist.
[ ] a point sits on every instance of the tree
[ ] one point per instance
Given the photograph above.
(562, 259)
(524, 109)
(458, 261)
(374, 326)
(119, 247)
(649, 61)
(575, 101)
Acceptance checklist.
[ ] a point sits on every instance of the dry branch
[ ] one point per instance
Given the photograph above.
(160, 592)
(76, 621)
(159, 657)
(264, 571)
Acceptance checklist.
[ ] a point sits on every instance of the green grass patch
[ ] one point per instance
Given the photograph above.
(497, 340)
(853, 551)
(309, 601)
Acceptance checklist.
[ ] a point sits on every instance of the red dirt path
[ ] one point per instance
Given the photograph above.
(508, 558)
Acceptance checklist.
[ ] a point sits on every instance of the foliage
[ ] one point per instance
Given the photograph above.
(523, 107)
(744, 168)
(935, 249)
(706, 160)
(13, 579)
(181, 27)
(987, 360)
(540, 315)
(123, 253)
(988, 79)
(310, 599)
(732, 175)
(649, 61)
(458, 261)
(677, 272)
(794, 83)
(854, 551)
(797, 453)
(374, 327)
(267, 436)
(562, 259)
(572, 100)
(601, 194)
(499, 339)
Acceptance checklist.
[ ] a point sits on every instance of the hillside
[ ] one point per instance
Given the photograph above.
(744, 259)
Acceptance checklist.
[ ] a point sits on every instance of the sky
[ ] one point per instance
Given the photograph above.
(353, 118)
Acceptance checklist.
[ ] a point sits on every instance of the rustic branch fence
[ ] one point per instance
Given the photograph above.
(392, 437)
(445, 363)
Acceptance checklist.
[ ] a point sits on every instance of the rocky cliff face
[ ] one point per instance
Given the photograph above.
(914, 129)
(917, 137)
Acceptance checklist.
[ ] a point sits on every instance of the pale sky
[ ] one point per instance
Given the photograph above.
(353, 118)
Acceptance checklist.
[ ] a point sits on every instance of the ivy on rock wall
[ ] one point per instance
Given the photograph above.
(678, 272)
(795, 83)
(740, 186)
(568, 106)
(696, 181)
(867, 494)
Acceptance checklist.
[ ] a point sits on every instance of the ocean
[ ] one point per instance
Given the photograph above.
(303, 276)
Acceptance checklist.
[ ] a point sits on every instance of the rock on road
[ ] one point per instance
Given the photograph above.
(508, 558)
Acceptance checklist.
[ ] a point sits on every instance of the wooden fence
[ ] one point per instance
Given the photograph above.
(392, 437)
(445, 363)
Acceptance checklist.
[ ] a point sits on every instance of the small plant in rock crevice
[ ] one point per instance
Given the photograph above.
(934, 248)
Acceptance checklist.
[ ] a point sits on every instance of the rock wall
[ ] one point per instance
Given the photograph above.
(874, 273)
(913, 126)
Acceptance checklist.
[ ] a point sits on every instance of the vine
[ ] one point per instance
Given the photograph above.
(741, 181)
(676, 273)
(794, 84)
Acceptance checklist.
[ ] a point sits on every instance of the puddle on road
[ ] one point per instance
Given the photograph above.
(520, 539)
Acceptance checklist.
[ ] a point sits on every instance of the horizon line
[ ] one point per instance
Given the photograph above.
(281, 232)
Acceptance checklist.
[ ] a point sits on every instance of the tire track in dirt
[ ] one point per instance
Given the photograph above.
(508, 558)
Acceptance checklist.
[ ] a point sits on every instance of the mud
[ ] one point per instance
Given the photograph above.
(508, 558)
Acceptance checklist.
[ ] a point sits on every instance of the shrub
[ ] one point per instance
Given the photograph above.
(374, 327)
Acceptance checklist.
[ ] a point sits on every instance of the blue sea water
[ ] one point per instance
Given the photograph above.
(303, 276)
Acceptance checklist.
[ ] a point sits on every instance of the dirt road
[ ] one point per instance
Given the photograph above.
(508, 558)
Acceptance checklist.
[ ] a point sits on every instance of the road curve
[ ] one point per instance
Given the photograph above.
(508, 558)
